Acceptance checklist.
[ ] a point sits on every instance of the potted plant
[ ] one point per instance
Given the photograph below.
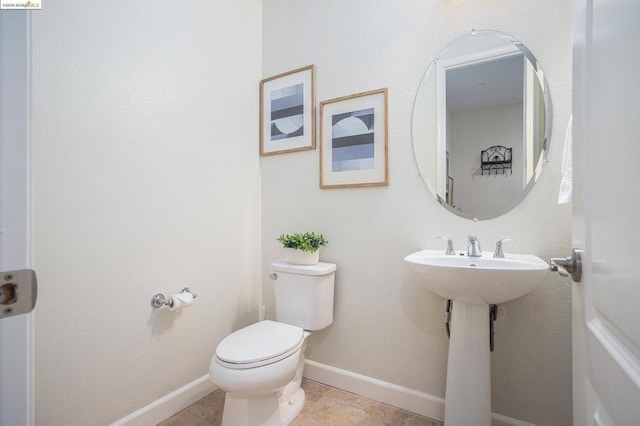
(302, 248)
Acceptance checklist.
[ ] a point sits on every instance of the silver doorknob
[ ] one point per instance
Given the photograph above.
(566, 266)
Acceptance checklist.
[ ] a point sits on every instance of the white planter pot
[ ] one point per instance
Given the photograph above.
(301, 257)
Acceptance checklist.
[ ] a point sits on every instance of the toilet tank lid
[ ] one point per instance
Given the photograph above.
(321, 268)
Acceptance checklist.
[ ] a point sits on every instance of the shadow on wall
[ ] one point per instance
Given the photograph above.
(317, 338)
(423, 308)
(161, 320)
(246, 314)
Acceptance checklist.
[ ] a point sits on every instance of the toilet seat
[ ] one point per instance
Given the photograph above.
(259, 344)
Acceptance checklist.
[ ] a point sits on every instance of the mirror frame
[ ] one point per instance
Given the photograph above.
(439, 66)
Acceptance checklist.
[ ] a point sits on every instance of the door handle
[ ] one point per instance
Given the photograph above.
(18, 292)
(566, 266)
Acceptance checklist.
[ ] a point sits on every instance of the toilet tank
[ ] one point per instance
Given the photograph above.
(304, 294)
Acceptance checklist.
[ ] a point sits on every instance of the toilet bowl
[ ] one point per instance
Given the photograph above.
(260, 366)
(255, 375)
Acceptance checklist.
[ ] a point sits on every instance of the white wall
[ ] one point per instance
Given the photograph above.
(471, 131)
(426, 123)
(385, 326)
(146, 180)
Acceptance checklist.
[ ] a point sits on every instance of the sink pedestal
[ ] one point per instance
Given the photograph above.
(468, 394)
(473, 283)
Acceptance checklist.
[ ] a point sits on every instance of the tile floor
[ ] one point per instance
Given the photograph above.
(324, 406)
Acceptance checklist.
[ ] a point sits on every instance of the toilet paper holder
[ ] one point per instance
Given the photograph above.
(159, 300)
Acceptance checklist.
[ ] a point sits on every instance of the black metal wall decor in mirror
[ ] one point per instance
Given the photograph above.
(497, 159)
(484, 89)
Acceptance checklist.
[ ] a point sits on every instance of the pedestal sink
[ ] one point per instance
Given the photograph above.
(473, 283)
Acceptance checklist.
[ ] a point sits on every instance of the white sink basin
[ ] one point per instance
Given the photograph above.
(478, 280)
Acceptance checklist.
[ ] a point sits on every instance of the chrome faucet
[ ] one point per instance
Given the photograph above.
(499, 253)
(450, 251)
(473, 247)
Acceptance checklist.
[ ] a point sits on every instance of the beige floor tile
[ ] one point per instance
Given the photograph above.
(184, 418)
(210, 407)
(339, 408)
(415, 420)
(324, 406)
(313, 392)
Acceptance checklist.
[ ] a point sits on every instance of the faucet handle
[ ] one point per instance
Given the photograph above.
(449, 241)
(473, 246)
(498, 252)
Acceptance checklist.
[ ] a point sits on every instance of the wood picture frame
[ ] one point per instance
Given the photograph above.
(287, 112)
(354, 140)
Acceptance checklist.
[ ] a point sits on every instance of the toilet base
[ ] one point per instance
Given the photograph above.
(265, 410)
(289, 409)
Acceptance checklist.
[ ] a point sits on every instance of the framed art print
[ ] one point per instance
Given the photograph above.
(353, 140)
(287, 112)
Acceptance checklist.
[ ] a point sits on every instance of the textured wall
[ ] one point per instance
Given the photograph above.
(385, 326)
(146, 180)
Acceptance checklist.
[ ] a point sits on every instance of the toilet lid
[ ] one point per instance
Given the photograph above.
(259, 343)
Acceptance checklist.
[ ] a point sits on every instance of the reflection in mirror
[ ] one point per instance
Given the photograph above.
(481, 124)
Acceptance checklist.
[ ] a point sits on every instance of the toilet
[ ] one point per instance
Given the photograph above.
(260, 366)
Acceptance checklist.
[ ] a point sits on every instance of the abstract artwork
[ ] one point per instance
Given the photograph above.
(352, 140)
(287, 112)
(353, 136)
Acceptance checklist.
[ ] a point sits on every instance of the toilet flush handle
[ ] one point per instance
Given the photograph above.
(273, 276)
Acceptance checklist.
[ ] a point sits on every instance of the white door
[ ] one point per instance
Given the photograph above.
(606, 304)
(16, 333)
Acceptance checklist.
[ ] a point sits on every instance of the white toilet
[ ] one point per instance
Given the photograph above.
(260, 366)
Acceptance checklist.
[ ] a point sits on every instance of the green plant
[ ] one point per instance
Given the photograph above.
(308, 241)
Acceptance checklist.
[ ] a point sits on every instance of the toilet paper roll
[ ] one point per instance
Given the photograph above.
(181, 300)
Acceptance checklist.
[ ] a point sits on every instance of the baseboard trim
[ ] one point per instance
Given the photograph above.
(408, 399)
(165, 407)
(398, 396)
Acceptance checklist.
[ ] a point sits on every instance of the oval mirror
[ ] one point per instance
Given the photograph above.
(481, 124)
